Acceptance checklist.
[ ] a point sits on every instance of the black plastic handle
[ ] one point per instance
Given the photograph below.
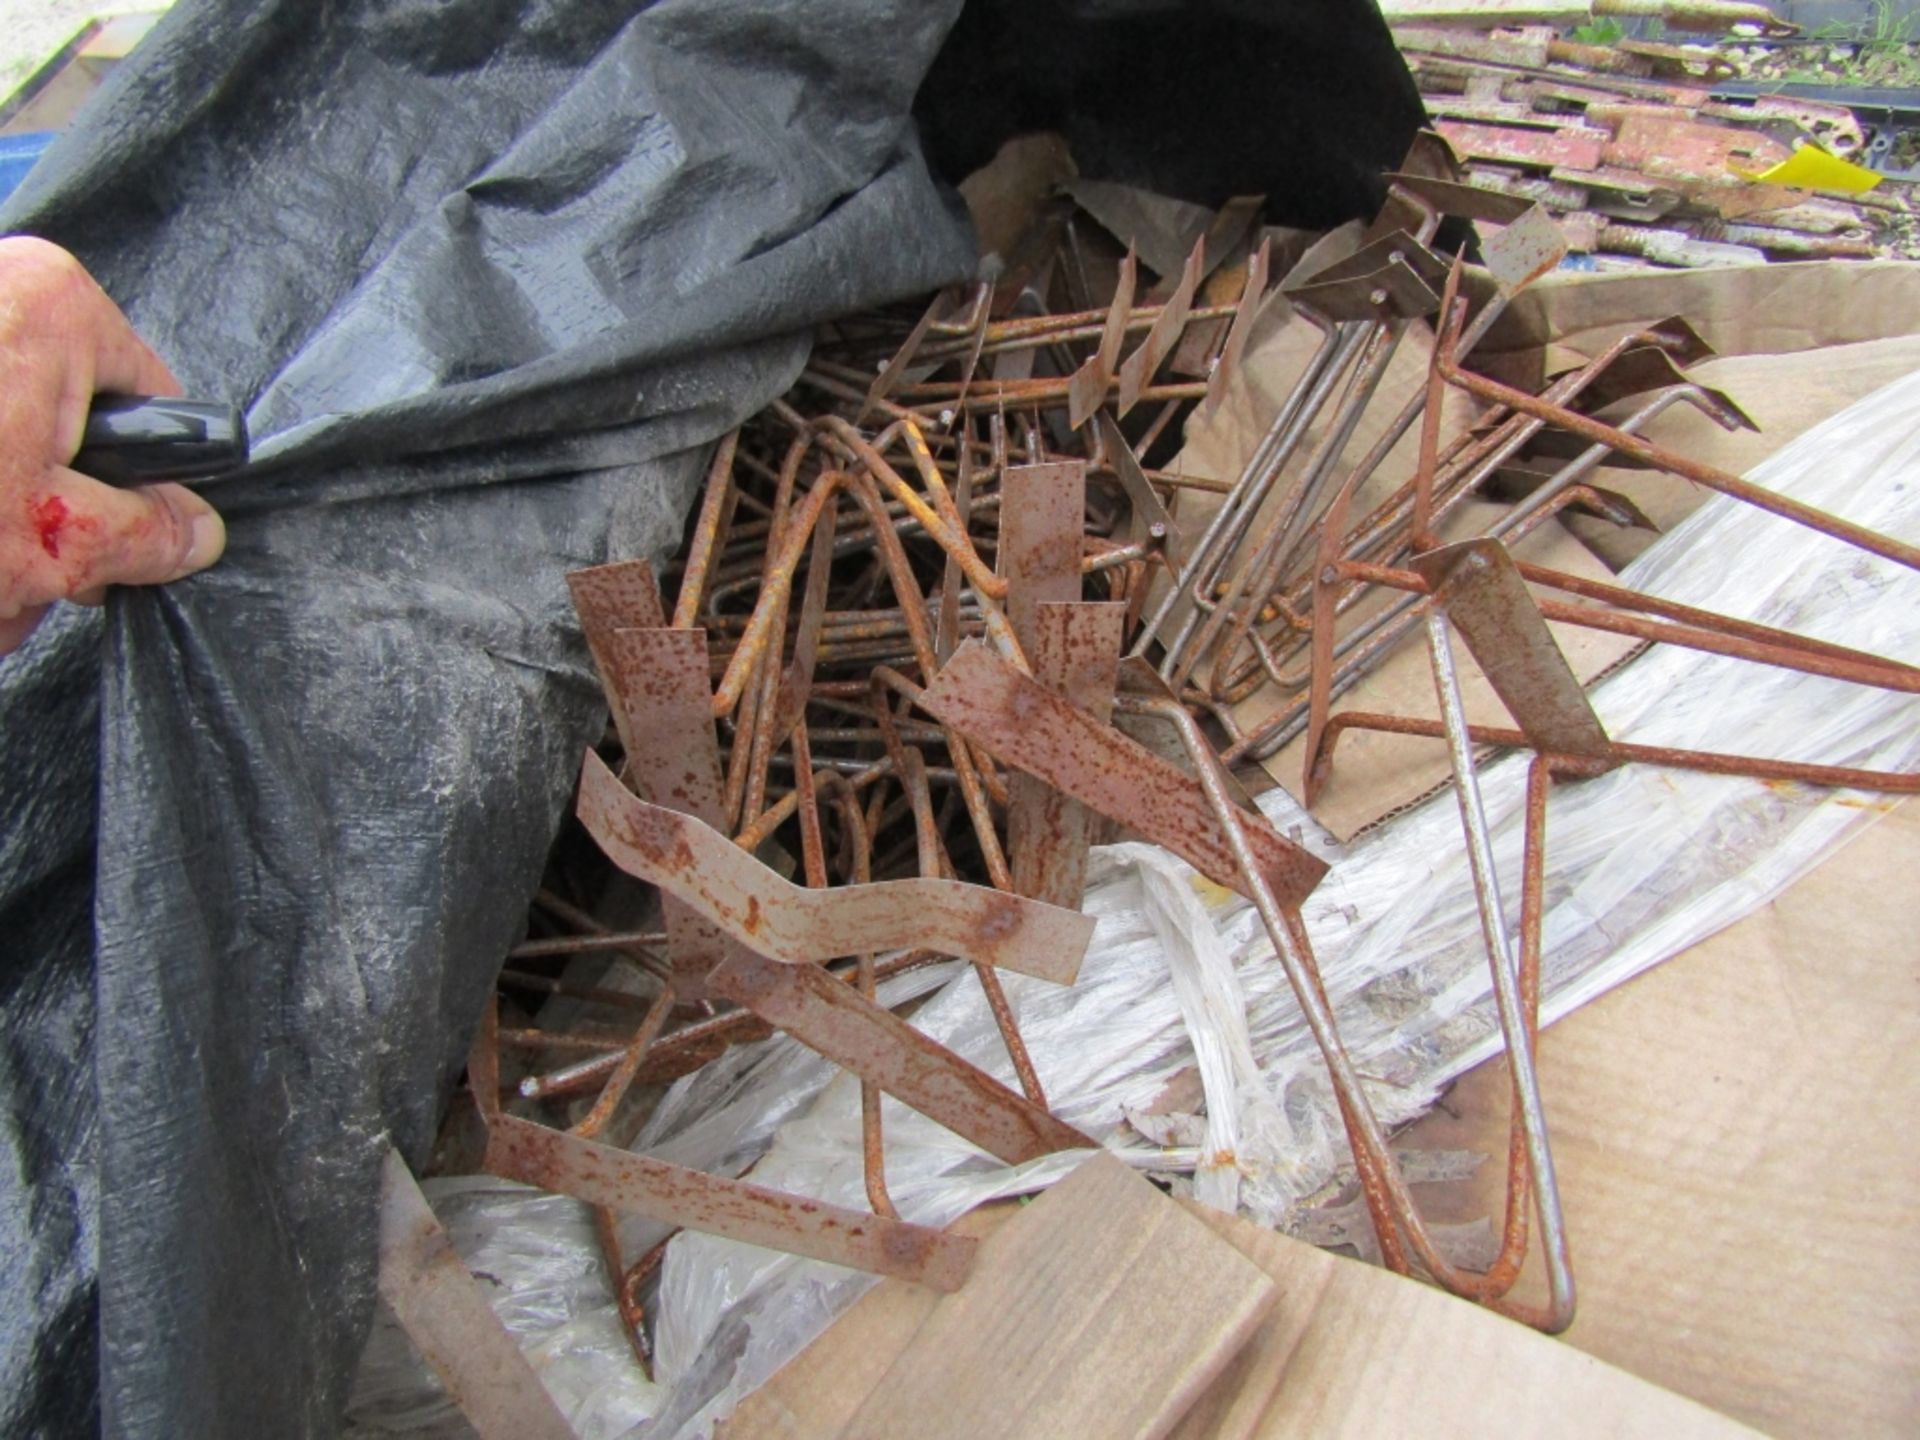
(140, 439)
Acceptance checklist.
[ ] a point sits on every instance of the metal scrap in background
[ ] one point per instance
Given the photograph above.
(1652, 152)
(1707, 15)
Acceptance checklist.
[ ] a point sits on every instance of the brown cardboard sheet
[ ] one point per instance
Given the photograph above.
(1785, 395)
(1731, 1131)
(1005, 195)
(1739, 310)
(1352, 1352)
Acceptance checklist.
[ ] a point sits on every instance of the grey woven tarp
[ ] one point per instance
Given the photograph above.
(486, 274)
(489, 276)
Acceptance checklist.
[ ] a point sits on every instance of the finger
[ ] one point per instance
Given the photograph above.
(108, 359)
(88, 535)
(15, 628)
(66, 341)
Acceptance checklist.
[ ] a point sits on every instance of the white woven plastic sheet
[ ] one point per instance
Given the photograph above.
(1180, 984)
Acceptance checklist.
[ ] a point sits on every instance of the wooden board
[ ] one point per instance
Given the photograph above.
(1346, 1350)
(1730, 1133)
(1101, 1309)
(1352, 1350)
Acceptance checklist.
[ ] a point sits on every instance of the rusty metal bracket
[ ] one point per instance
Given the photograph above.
(1092, 380)
(608, 597)
(671, 752)
(1027, 725)
(793, 926)
(733, 1209)
(1138, 368)
(1253, 299)
(892, 372)
(720, 882)
(1149, 519)
(1524, 250)
(1479, 588)
(1634, 447)
(1500, 619)
(1042, 517)
(1389, 1200)
(1396, 247)
(1075, 651)
(831, 1017)
(446, 1316)
(1454, 197)
(1394, 289)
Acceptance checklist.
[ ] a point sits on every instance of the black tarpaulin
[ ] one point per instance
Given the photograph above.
(486, 275)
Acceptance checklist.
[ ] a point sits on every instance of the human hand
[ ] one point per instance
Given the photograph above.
(64, 536)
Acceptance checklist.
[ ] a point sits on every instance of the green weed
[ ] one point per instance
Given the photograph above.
(1602, 31)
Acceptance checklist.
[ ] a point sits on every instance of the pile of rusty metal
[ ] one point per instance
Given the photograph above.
(1638, 156)
(943, 614)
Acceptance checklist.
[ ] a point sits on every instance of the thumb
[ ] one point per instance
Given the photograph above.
(92, 535)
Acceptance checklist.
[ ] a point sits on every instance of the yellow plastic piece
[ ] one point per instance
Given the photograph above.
(1811, 168)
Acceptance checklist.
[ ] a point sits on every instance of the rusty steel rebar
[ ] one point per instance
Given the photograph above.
(875, 727)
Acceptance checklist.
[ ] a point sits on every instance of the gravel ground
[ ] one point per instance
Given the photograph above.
(31, 30)
(1892, 62)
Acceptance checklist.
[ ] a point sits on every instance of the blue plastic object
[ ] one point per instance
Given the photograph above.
(17, 154)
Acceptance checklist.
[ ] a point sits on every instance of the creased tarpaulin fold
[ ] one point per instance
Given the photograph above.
(487, 277)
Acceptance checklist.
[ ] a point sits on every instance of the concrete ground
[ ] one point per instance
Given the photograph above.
(32, 30)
